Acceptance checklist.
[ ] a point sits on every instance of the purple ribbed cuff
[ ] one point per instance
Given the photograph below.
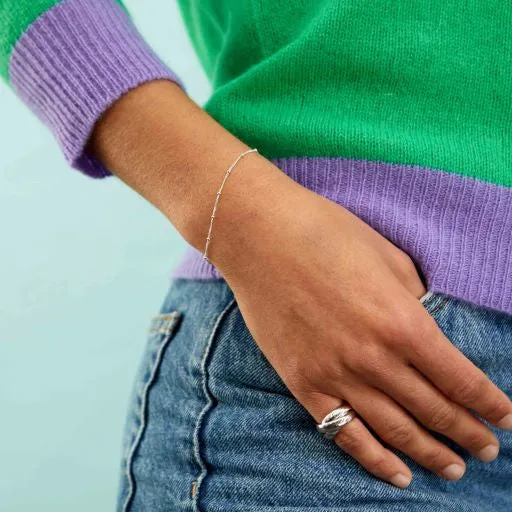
(458, 230)
(73, 63)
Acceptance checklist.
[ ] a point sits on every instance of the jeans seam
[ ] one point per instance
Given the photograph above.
(143, 410)
(426, 296)
(440, 305)
(207, 407)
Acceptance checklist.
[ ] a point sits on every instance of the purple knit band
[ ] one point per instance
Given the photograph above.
(456, 229)
(74, 62)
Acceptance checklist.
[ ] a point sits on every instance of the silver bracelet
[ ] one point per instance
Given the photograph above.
(228, 172)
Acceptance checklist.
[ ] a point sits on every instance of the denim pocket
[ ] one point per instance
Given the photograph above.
(162, 330)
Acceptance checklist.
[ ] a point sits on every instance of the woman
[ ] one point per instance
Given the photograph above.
(352, 277)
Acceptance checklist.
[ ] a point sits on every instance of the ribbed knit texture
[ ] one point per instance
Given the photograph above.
(73, 62)
(456, 229)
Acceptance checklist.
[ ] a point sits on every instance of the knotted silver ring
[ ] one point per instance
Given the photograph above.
(335, 420)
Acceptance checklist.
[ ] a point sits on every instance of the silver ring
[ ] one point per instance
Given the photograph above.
(335, 420)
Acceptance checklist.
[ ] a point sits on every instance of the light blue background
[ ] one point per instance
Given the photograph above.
(84, 265)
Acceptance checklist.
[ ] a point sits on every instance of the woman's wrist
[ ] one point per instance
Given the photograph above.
(170, 151)
(261, 211)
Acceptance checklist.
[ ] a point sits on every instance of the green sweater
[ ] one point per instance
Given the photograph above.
(399, 111)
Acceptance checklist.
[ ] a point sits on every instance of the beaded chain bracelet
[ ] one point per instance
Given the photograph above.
(219, 193)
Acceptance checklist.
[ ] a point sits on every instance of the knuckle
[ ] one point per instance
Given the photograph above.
(356, 363)
(406, 264)
(443, 419)
(293, 371)
(469, 389)
(306, 379)
(332, 371)
(477, 439)
(498, 410)
(395, 336)
(298, 383)
(398, 434)
(436, 457)
(378, 464)
(350, 442)
(368, 359)
(303, 389)
(425, 330)
(404, 327)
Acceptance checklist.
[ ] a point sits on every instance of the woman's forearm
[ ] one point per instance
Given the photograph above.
(169, 150)
(165, 147)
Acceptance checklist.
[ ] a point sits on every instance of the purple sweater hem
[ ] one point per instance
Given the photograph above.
(456, 229)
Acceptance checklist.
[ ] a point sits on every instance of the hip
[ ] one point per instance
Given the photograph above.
(212, 427)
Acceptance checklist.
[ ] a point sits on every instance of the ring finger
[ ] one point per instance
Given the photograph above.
(356, 440)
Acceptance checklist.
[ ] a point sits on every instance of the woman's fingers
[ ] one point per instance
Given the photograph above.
(457, 377)
(394, 426)
(357, 441)
(436, 412)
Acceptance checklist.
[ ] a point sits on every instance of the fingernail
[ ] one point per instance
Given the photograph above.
(505, 422)
(490, 452)
(453, 472)
(400, 480)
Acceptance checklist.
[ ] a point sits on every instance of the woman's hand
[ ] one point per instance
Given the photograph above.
(331, 303)
(334, 307)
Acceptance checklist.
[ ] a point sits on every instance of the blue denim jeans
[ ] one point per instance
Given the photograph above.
(212, 427)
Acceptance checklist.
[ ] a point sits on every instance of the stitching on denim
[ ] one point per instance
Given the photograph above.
(165, 316)
(426, 297)
(164, 324)
(171, 325)
(443, 302)
(208, 405)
